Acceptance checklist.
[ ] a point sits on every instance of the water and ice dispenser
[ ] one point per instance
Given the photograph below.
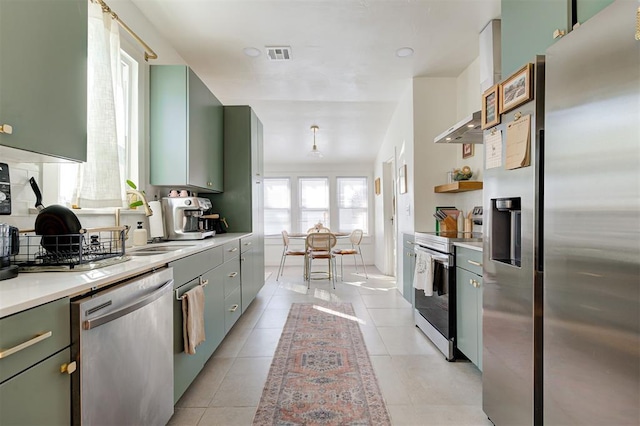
(506, 230)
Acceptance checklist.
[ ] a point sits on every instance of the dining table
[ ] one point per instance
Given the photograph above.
(303, 236)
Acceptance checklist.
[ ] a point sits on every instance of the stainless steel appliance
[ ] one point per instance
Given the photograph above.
(435, 315)
(183, 217)
(9, 246)
(123, 345)
(512, 275)
(561, 316)
(591, 354)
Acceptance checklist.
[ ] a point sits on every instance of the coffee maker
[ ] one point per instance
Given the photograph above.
(9, 246)
(183, 217)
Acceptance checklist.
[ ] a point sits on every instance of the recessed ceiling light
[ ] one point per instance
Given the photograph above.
(251, 51)
(403, 52)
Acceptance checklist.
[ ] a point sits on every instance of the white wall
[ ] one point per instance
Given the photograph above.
(397, 145)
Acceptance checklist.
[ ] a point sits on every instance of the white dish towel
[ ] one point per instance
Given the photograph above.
(193, 319)
(423, 276)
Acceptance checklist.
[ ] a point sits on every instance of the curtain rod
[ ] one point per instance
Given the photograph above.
(149, 53)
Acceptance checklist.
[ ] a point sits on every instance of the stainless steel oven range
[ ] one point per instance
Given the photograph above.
(435, 314)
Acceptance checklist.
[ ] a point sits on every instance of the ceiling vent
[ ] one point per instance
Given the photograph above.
(279, 53)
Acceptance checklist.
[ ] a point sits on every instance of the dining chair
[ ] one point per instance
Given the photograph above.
(319, 245)
(318, 228)
(355, 238)
(288, 252)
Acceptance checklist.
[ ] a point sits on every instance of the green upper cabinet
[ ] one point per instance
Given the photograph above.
(527, 30)
(43, 76)
(528, 27)
(186, 131)
(587, 8)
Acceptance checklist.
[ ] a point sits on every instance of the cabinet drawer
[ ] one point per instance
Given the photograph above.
(50, 322)
(468, 259)
(190, 267)
(247, 242)
(232, 310)
(231, 276)
(39, 396)
(231, 250)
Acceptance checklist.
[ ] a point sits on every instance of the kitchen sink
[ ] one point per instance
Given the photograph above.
(153, 250)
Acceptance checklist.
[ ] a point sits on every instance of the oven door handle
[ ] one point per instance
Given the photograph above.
(436, 255)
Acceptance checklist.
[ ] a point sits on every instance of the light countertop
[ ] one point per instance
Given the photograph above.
(30, 289)
(470, 245)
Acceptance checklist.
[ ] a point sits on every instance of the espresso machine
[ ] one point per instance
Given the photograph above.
(182, 217)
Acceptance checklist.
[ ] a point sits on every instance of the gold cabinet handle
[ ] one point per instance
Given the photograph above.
(6, 128)
(473, 262)
(233, 249)
(203, 283)
(558, 33)
(24, 345)
(234, 308)
(209, 183)
(474, 283)
(233, 275)
(68, 368)
(247, 243)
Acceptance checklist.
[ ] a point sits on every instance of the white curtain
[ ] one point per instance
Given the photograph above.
(99, 179)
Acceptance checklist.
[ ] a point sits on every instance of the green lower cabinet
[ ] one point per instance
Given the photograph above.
(214, 313)
(185, 367)
(408, 267)
(469, 315)
(41, 395)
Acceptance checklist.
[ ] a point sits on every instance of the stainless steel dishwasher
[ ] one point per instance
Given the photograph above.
(123, 344)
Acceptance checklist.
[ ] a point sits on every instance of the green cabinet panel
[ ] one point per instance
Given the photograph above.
(242, 201)
(469, 289)
(232, 311)
(588, 8)
(527, 30)
(43, 76)
(408, 266)
(214, 312)
(185, 367)
(186, 131)
(231, 275)
(40, 395)
(22, 327)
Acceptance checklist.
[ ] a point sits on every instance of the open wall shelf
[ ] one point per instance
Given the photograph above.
(460, 186)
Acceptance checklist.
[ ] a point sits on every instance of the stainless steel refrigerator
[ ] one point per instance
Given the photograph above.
(591, 334)
(561, 302)
(512, 296)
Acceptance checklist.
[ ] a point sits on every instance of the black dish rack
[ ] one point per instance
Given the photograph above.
(90, 248)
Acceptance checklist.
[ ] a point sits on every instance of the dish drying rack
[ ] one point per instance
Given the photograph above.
(90, 248)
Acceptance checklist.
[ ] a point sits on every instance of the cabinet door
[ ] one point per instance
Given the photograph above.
(205, 136)
(527, 30)
(185, 367)
(41, 395)
(408, 267)
(43, 76)
(248, 278)
(213, 312)
(467, 314)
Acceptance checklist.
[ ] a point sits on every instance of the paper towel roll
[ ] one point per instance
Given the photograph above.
(156, 221)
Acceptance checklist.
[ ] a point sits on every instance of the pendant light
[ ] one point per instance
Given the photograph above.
(314, 151)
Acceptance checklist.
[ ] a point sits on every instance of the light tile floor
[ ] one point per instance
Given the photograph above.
(419, 386)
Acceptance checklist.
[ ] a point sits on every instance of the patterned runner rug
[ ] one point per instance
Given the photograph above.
(321, 373)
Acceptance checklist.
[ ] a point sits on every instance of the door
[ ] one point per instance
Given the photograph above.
(389, 213)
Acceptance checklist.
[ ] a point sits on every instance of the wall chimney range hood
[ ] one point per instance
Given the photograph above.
(467, 130)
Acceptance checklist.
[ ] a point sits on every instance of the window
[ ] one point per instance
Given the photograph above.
(314, 202)
(277, 205)
(352, 203)
(128, 148)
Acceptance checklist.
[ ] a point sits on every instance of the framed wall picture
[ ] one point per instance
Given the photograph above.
(402, 179)
(467, 150)
(490, 107)
(377, 186)
(517, 89)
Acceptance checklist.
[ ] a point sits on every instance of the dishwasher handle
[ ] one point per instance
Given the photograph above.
(141, 302)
